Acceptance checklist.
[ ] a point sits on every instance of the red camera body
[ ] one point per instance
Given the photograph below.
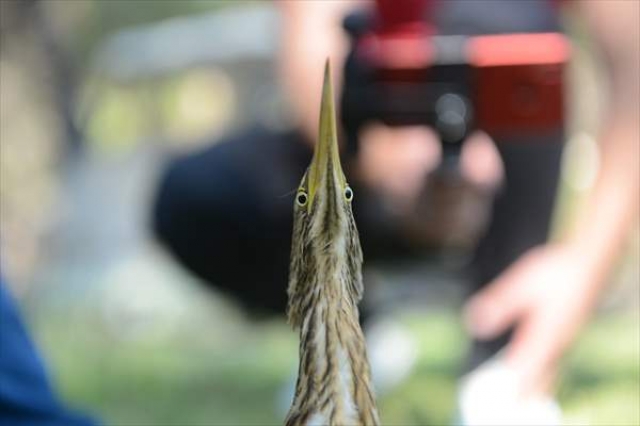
(518, 81)
(401, 72)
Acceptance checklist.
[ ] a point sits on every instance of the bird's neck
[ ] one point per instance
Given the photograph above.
(334, 383)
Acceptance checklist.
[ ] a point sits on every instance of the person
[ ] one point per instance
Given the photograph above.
(26, 395)
(224, 212)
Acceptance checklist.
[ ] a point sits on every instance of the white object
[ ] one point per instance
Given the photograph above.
(490, 395)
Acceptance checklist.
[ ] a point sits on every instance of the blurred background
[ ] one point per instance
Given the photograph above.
(87, 121)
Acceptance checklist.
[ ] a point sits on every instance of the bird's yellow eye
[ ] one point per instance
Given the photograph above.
(302, 198)
(348, 194)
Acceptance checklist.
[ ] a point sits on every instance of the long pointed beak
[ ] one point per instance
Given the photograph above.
(325, 165)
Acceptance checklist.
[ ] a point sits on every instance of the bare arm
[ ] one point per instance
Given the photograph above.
(311, 32)
(612, 208)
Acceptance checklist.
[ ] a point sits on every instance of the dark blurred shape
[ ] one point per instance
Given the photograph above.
(225, 212)
(26, 395)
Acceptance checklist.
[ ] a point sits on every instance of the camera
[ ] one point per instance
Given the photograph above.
(400, 71)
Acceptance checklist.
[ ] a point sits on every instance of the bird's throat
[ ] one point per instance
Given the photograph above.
(334, 384)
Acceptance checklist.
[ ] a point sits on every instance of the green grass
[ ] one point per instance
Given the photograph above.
(199, 375)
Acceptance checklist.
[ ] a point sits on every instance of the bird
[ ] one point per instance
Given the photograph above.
(334, 384)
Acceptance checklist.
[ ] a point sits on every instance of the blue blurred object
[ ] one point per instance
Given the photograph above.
(26, 395)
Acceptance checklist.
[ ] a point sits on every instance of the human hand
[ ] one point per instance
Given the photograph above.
(397, 161)
(546, 296)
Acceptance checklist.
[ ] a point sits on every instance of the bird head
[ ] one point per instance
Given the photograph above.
(325, 245)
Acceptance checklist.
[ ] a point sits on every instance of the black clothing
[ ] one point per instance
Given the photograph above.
(226, 212)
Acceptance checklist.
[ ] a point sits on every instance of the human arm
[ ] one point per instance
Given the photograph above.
(311, 32)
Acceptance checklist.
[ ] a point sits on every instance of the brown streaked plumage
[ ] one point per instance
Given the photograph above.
(325, 285)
